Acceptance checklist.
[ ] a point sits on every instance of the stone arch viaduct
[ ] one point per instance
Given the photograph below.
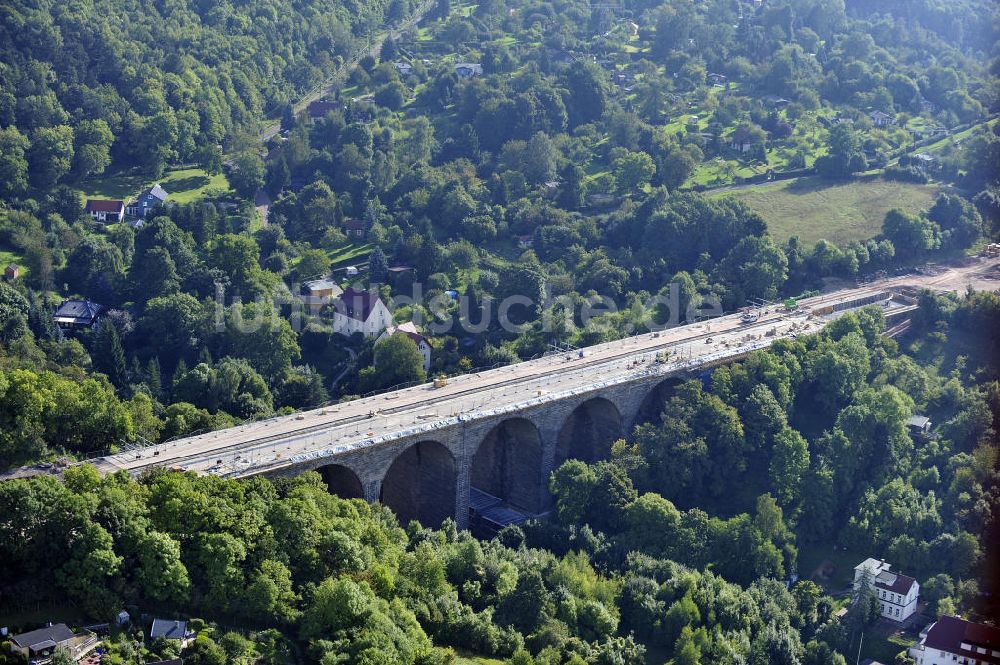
(509, 455)
(431, 452)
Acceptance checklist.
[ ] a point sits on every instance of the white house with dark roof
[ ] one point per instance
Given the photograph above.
(105, 210)
(410, 330)
(359, 311)
(953, 640)
(897, 594)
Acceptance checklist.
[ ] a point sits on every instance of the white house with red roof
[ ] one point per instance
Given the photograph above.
(106, 211)
(954, 640)
(410, 330)
(359, 311)
(896, 593)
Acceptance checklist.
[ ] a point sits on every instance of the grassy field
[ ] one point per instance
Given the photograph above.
(350, 254)
(182, 185)
(7, 257)
(814, 209)
(831, 569)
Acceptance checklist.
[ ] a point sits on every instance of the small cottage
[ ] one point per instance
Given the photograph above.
(104, 210)
(882, 119)
(354, 229)
(410, 330)
(467, 70)
(78, 314)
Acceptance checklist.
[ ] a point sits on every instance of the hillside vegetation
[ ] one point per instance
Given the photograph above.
(87, 84)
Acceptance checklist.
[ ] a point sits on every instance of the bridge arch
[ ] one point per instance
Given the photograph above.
(588, 432)
(420, 484)
(508, 465)
(342, 481)
(652, 405)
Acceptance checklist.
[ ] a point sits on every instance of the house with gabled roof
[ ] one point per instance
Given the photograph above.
(468, 69)
(951, 640)
(320, 107)
(897, 594)
(146, 201)
(360, 311)
(410, 329)
(40, 644)
(882, 119)
(105, 210)
(77, 314)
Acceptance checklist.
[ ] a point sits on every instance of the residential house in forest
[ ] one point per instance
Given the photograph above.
(105, 210)
(467, 70)
(741, 140)
(146, 201)
(359, 311)
(320, 107)
(410, 330)
(951, 640)
(897, 594)
(323, 287)
(40, 644)
(882, 119)
(355, 229)
(77, 314)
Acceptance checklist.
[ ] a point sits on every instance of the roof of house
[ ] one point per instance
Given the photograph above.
(359, 304)
(919, 421)
(157, 192)
(104, 205)
(880, 114)
(321, 107)
(78, 310)
(52, 635)
(948, 634)
(409, 328)
(323, 284)
(741, 134)
(473, 67)
(894, 582)
(400, 268)
(354, 224)
(170, 629)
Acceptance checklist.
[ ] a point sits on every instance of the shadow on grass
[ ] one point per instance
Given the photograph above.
(187, 184)
(116, 187)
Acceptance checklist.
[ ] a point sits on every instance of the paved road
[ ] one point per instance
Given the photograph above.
(281, 441)
(321, 432)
